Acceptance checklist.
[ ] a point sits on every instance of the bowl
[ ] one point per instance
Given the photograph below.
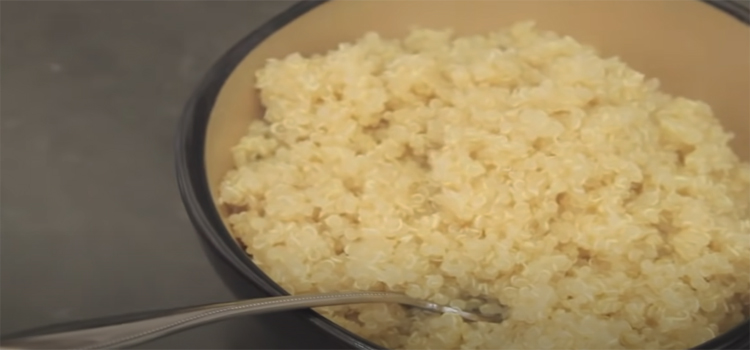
(697, 49)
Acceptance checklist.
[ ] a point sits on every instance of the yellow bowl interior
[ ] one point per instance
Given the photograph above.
(695, 50)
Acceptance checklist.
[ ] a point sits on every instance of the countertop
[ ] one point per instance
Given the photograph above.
(92, 223)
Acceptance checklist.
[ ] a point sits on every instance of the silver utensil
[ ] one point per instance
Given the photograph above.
(135, 332)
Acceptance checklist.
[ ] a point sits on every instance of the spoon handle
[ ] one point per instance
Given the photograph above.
(135, 332)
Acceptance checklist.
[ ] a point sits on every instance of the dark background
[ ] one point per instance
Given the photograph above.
(92, 223)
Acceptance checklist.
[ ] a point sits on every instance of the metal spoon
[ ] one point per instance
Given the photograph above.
(135, 332)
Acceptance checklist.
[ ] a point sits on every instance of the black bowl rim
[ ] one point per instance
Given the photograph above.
(198, 201)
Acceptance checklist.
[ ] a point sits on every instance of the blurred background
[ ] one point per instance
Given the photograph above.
(92, 223)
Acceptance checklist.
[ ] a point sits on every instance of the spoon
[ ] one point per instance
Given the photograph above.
(132, 333)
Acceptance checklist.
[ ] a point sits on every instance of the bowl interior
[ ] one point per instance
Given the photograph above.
(694, 49)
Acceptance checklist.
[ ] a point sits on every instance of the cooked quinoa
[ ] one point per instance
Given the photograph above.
(517, 166)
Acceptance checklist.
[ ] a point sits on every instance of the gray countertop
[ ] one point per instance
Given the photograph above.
(92, 222)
